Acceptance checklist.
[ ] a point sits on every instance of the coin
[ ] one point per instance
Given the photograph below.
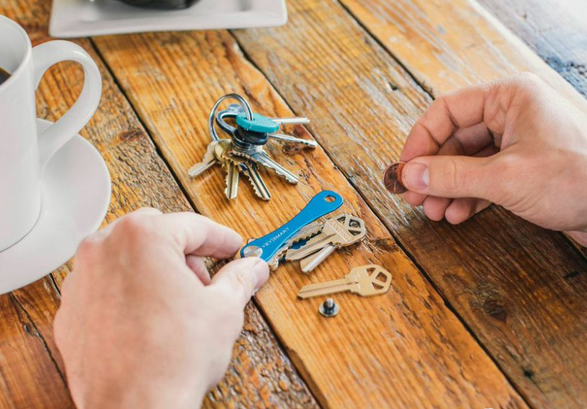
(392, 178)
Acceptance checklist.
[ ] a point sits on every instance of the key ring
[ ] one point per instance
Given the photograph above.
(243, 103)
(231, 112)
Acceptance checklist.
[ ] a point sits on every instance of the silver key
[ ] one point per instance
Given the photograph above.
(263, 159)
(291, 121)
(251, 170)
(288, 138)
(207, 162)
(336, 232)
(259, 186)
(305, 233)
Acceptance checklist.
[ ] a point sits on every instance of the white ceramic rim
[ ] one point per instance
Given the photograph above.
(14, 75)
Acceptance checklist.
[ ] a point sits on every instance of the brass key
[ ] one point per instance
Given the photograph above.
(340, 231)
(363, 281)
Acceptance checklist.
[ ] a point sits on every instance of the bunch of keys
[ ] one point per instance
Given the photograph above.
(326, 237)
(365, 281)
(306, 240)
(243, 151)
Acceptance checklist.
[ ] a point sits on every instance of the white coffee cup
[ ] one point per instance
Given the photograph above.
(23, 152)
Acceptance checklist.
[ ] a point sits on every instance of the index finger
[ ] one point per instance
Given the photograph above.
(449, 112)
(198, 235)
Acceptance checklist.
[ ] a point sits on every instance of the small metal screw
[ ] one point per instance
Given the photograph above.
(253, 251)
(329, 308)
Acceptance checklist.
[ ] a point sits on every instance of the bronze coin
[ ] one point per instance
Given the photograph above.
(392, 178)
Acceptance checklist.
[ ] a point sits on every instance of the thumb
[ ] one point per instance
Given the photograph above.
(451, 176)
(242, 277)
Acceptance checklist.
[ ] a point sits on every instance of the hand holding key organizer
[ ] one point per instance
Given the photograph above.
(244, 151)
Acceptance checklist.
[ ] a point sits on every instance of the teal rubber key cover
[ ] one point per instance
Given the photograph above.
(259, 123)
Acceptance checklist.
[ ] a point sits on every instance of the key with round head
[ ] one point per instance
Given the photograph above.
(365, 281)
(337, 232)
(287, 138)
(207, 162)
(251, 171)
(305, 233)
(260, 157)
(221, 152)
(291, 121)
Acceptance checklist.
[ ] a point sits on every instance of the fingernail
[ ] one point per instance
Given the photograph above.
(416, 176)
(261, 271)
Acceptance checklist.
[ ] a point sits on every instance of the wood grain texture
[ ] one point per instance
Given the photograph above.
(447, 44)
(31, 370)
(404, 349)
(555, 29)
(519, 288)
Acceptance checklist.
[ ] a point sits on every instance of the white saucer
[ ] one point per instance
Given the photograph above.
(76, 195)
(83, 18)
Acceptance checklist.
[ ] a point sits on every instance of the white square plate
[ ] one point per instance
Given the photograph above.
(83, 18)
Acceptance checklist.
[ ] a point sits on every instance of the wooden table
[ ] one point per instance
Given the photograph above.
(491, 313)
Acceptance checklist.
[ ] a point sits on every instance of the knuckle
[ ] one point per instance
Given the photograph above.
(529, 77)
(508, 165)
(87, 249)
(527, 82)
(148, 210)
(453, 176)
(135, 227)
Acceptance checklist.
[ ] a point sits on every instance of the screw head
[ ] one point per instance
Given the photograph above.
(329, 308)
(252, 251)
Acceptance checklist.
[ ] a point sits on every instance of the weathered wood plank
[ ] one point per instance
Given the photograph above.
(31, 370)
(449, 44)
(555, 29)
(519, 288)
(405, 349)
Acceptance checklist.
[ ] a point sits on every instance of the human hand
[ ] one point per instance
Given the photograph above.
(514, 142)
(141, 324)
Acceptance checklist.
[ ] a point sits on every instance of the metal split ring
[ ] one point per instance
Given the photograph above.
(243, 103)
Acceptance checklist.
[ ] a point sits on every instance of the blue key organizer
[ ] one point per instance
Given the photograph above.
(267, 246)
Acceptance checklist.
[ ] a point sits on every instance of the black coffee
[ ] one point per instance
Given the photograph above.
(3, 76)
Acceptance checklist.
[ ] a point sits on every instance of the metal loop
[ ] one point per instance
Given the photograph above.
(243, 103)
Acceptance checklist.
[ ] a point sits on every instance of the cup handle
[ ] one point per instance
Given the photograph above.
(58, 134)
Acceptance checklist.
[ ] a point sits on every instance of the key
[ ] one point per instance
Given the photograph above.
(364, 281)
(267, 246)
(291, 121)
(206, 163)
(251, 170)
(232, 172)
(337, 232)
(288, 138)
(305, 233)
(259, 186)
(261, 157)
(231, 180)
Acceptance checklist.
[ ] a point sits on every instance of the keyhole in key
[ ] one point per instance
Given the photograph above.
(330, 199)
